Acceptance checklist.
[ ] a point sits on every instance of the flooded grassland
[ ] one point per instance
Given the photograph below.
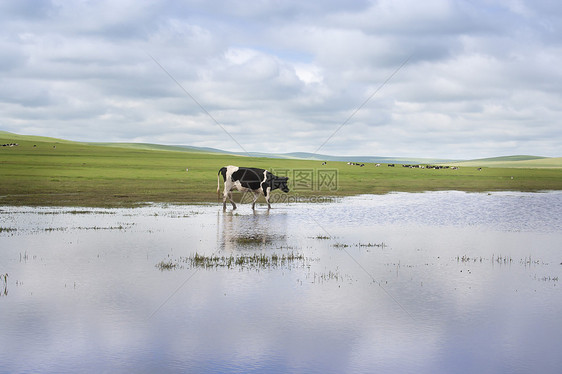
(425, 282)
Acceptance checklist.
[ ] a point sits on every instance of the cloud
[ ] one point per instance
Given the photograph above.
(482, 79)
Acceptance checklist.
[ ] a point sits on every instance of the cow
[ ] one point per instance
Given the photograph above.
(257, 181)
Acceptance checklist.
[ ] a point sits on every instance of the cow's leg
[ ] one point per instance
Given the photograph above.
(224, 195)
(267, 201)
(227, 195)
(267, 195)
(256, 197)
(231, 201)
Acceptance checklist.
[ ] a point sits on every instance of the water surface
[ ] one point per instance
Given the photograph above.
(425, 283)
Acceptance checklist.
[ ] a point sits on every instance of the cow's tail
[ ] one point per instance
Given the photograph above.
(219, 181)
(219, 184)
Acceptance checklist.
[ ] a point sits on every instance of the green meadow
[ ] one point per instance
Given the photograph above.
(52, 172)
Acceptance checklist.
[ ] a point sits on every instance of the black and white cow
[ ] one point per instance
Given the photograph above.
(257, 181)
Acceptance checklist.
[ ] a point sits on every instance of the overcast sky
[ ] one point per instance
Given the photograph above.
(464, 79)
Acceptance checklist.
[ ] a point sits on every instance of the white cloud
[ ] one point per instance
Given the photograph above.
(482, 80)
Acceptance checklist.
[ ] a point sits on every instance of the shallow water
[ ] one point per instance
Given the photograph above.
(425, 283)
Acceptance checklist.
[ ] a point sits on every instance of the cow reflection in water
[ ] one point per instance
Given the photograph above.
(253, 231)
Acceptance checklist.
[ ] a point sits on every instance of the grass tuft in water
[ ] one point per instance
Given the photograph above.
(166, 265)
(252, 261)
(240, 261)
(360, 245)
(370, 245)
(255, 239)
(323, 237)
(4, 285)
(547, 278)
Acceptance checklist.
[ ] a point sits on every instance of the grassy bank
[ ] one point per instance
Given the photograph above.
(46, 171)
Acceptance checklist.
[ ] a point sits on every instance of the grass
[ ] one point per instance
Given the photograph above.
(167, 265)
(252, 239)
(322, 237)
(240, 261)
(52, 172)
(4, 284)
(360, 245)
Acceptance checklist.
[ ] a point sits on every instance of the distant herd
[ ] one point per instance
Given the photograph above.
(16, 144)
(407, 166)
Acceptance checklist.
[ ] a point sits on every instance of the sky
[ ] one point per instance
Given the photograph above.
(436, 78)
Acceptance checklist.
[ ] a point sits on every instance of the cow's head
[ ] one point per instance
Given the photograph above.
(281, 183)
(276, 182)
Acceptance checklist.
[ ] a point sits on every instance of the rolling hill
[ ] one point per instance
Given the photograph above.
(516, 161)
(519, 161)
